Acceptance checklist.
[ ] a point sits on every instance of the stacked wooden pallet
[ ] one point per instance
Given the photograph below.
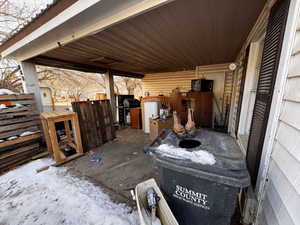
(96, 122)
(19, 130)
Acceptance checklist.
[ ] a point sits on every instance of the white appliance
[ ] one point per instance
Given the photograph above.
(151, 108)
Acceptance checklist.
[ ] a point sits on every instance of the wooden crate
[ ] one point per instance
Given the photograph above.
(96, 122)
(49, 119)
(14, 121)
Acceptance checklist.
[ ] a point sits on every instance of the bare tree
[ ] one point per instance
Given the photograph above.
(73, 84)
(15, 14)
(77, 85)
(10, 80)
(129, 85)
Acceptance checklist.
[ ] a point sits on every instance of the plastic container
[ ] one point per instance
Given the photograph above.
(197, 193)
(164, 213)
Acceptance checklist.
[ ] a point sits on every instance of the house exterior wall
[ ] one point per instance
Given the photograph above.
(281, 200)
(278, 189)
(163, 83)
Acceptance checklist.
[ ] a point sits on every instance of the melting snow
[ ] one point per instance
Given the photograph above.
(3, 106)
(27, 133)
(18, 105)
(12, 138)
(201, 156)
(55, 197)
(6, 92)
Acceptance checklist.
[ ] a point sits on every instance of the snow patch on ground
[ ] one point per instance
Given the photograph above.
(6, 92)
(55, 197)
(18, 105)
(201, 156)
(12, 138)
(3, 106)
(27, 133)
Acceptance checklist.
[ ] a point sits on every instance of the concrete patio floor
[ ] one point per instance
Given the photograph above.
(123, 165)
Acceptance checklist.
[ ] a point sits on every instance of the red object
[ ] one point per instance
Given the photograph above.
(7, 103)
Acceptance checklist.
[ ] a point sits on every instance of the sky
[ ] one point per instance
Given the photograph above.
(9, 24)
(22, 8)
(32, 2)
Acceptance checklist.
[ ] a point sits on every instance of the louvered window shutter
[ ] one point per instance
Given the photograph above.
(266, 81)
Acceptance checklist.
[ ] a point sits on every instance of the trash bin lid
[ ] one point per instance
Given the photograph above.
(210, 155)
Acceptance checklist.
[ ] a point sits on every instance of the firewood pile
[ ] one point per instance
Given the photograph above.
(19, 130)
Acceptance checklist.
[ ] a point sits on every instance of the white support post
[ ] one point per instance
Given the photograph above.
(32, 83)
(110, 92)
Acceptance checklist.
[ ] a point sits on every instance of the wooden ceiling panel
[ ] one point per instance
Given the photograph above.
(177, 36)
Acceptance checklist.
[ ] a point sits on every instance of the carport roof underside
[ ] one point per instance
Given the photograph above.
(166, 36)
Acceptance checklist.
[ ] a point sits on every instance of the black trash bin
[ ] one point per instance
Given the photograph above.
(200, 192)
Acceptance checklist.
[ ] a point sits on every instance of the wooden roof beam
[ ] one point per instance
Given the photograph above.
(52, 62)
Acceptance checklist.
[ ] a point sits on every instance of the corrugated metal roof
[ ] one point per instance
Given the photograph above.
(28, 22)
(36, 21)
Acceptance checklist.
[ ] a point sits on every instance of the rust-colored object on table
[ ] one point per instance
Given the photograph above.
(54, 146)
(101, 96)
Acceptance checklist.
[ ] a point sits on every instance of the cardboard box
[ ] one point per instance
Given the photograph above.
(156, 125)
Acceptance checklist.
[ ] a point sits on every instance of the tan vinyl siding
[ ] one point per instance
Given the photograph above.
(283, 189)
(163, 83)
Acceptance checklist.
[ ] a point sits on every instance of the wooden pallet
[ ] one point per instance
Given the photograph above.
(96, 122)
(14, 121)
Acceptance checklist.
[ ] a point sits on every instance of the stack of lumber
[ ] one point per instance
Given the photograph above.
(96, 122)
(19, 130)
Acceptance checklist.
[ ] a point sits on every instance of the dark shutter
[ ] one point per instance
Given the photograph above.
(242, 86)
(266, 81)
